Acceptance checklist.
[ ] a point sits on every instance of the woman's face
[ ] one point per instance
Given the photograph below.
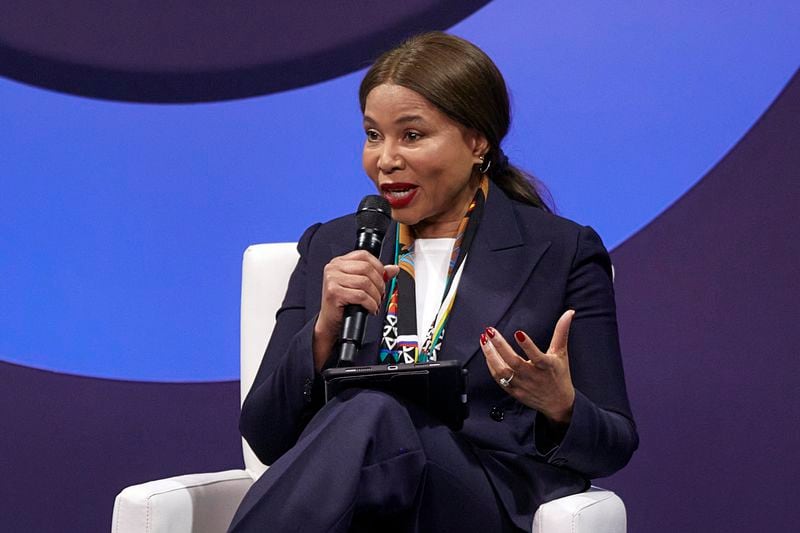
(422, 161)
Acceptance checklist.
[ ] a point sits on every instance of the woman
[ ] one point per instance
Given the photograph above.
(474, 260)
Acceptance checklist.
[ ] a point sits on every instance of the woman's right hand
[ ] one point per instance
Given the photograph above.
(355, 278)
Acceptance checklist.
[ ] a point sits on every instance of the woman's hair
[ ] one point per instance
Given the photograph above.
(464, 83)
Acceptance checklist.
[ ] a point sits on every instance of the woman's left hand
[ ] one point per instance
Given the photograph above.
(541, 382)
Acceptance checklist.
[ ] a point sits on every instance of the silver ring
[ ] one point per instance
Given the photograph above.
(506, 382)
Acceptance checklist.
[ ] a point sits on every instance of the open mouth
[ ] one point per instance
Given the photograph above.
(398, 194)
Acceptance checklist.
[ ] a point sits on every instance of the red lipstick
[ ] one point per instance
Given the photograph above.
(399, 194)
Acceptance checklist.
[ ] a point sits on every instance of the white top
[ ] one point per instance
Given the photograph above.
(431, 261)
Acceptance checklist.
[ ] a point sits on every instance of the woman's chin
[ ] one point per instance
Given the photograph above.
(403, 216)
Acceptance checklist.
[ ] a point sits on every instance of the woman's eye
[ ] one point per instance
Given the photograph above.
(413, 135)
(372, 135)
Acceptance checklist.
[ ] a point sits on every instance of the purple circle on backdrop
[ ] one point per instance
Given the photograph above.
(203, 50)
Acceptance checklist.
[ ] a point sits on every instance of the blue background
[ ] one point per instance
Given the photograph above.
(122, 225)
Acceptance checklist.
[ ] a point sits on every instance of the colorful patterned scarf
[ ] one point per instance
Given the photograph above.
(400, 343)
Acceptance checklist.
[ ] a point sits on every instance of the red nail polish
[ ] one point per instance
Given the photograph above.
(484, 340)
(519, 336)
(385, 277)
(490, 332)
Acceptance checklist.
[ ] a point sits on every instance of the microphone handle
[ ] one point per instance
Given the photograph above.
(355, 317)
(353, 327)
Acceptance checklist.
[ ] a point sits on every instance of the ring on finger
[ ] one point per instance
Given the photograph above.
(506, 382)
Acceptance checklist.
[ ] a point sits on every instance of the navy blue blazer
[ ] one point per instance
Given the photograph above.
(525, 268)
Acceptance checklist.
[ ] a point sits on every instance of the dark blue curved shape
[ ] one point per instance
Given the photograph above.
(707, 303)
(204, 50)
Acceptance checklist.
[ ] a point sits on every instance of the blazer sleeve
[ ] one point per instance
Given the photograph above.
(601, 436)
(285, 392)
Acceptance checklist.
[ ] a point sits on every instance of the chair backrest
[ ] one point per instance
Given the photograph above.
(265, 275)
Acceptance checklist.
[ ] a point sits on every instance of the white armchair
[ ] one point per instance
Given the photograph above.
(205, 503)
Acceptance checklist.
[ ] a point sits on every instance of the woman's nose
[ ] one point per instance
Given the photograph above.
(389, 159)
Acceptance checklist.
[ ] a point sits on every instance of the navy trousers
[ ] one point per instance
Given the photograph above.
(369, 462)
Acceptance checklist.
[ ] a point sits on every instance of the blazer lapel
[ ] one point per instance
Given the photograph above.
(374, 331)
(500, 261)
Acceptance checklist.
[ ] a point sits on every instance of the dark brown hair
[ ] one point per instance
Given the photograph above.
(464, 83)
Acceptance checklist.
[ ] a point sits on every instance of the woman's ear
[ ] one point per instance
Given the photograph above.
(480, 146)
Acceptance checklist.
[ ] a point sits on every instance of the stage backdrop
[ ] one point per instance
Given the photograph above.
(144, 146)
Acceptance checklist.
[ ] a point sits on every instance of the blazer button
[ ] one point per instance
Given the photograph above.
(497, 414)
(308, 387)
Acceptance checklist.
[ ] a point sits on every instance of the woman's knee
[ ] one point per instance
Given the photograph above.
(365, 402)
(372, 414)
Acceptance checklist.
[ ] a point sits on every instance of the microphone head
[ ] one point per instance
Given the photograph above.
(374, 213)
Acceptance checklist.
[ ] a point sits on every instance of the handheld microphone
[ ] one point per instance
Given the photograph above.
(373, 218)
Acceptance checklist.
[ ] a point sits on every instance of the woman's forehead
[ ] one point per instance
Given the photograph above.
(398, 103)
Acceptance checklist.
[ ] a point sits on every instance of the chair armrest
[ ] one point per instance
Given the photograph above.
(194, 503)
(594, 511)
